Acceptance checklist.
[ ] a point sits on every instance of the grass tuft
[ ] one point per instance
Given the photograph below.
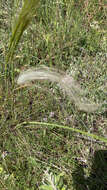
(41, 127)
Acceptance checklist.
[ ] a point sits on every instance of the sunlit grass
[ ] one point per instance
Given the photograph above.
(40, 126)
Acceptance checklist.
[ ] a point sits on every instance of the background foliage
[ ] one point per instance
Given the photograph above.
(68, 35)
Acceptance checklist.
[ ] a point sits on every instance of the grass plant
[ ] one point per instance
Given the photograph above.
(64, 35)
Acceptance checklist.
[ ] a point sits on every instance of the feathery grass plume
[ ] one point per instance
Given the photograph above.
(22, 22)
(66, 82)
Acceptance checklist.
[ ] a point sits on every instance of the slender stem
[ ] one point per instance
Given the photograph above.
(64, 127)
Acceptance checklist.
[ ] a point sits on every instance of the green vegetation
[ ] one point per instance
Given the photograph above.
(44, 139)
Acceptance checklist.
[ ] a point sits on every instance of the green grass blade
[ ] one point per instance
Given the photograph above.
(27, 12)
(102, 139)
